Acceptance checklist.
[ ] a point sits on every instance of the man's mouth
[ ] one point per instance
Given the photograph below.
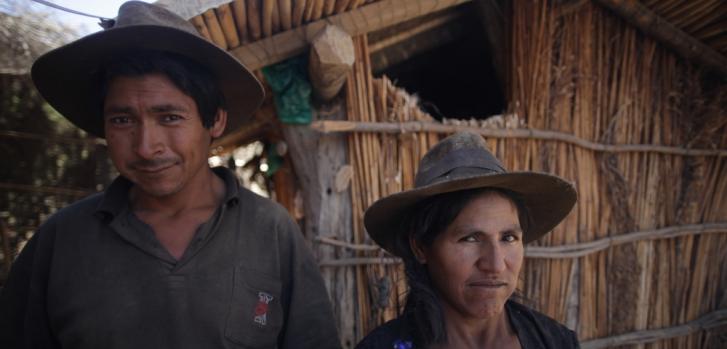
(152, 170)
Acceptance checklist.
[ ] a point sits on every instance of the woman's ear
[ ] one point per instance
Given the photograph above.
(417, 249)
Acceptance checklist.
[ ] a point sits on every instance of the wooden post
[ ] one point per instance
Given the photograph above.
(331, 58)
(7, 252)
(318, 159)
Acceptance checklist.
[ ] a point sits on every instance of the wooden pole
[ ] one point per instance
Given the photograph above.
(7, 252)
(215, 29)
(331, 58)
(521, 133)
(240, 9)
(201, 27)
(652, 24)
(254, 22)
(229, 29)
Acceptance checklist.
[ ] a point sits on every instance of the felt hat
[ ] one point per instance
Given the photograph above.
(68, 77)
(462, 161)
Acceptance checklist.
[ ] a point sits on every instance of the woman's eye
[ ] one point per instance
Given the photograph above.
(469, 238)
(510, 238)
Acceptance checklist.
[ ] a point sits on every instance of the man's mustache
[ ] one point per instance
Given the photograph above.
(154, 163)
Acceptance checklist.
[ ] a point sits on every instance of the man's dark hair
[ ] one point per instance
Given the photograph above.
(187, 75)
(423, 315)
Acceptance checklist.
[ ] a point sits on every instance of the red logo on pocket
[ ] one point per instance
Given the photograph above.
(261, 309)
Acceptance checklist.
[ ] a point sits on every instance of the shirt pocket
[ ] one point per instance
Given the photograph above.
(256, 314)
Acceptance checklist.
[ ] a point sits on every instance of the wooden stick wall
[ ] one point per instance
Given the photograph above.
(588, 73)
(585, 73)
(383, 164)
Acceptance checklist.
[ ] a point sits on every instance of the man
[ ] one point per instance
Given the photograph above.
(173, 254)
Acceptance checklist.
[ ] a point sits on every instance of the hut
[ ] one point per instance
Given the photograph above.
(627, 99)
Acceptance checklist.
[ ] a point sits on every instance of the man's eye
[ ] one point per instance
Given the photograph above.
(119, 120)
(171, 118)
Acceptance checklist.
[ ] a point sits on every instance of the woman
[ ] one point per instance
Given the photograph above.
(461, 233)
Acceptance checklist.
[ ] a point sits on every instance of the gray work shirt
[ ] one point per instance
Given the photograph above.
(95, 276)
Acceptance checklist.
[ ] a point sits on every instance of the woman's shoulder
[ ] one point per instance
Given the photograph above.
(539, 330)
(389, 335)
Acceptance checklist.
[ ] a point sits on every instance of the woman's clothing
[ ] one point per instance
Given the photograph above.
(534, 330)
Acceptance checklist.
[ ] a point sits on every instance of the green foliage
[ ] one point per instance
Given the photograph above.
(44, 156)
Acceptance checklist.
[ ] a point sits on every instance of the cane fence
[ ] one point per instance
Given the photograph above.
(642, 135)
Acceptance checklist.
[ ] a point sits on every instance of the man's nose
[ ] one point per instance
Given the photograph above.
(148, 141)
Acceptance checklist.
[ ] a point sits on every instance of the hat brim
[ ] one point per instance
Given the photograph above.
(548, 200)
(68, 77)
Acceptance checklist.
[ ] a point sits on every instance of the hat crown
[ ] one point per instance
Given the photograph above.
(135, 13)
(461, 155)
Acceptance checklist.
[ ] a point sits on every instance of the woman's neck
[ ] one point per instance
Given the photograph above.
(491, 332)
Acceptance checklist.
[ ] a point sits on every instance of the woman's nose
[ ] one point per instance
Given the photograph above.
(492, 258)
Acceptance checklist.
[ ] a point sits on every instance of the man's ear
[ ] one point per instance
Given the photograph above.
(218, 127)
(417, 250)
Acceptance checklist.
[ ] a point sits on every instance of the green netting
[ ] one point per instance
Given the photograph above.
(291, 90)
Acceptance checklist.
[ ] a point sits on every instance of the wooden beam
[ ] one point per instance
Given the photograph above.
(402, 35)
(367, 18)
(411, 43)
(663, 31)
(261, 122)
(331, 58)
(329, 126)
(708, 321)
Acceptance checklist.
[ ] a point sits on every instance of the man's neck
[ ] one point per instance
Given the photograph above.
(206, 190)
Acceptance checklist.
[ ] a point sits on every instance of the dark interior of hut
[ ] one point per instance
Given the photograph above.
(449, 67)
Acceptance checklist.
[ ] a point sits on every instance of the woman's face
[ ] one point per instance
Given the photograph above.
(474, 264)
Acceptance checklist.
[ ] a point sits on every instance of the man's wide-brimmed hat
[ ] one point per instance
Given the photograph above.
(462, 161)
(69, 76)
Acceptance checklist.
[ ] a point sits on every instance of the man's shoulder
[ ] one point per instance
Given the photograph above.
(79, 209)
(263, 208)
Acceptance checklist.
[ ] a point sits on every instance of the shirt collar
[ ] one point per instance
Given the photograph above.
(116, 197)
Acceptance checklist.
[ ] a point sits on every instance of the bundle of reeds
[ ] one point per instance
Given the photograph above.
(242, 21)
(582, 73)
(580, 70)
(383, 164)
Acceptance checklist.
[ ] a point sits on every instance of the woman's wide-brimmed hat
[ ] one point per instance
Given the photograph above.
(68, 77)
(462, 161)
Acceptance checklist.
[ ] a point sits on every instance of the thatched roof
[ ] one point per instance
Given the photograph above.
(243, 26)
(705, 20)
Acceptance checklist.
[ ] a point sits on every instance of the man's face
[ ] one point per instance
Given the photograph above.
(155, 135)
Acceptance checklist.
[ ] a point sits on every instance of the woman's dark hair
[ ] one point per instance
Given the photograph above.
(187, 75)
(423, 315)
